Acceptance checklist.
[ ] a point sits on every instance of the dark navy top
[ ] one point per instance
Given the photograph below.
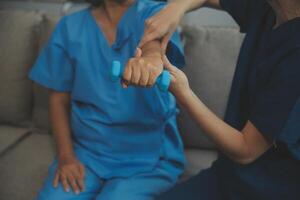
(266, 91)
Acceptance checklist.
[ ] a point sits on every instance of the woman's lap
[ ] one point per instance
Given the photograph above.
(203, 186)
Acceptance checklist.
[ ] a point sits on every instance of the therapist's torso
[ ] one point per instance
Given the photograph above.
(266, 91)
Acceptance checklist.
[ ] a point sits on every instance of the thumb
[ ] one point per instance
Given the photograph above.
(138, 52)
(167, 64)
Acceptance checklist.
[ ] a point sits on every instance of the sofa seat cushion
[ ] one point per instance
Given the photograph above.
(10, 135)
(198, 160)
(18, 49)
(211, 55)
(23, 169)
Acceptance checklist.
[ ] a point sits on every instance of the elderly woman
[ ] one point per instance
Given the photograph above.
(112, 143)
(259, 141)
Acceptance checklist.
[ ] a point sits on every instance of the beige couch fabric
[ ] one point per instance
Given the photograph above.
(24, 169)
(211, 55)
(17, 52)
(40, 94)
(9, 135)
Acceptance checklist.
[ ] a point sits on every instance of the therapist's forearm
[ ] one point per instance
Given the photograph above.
(190, 5)
(229, 140)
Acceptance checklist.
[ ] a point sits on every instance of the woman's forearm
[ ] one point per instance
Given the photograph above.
(229, 140)
(59, 111)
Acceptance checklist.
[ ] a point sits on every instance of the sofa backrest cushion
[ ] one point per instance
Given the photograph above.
(40, 94)
(211, 55)
(17, 52)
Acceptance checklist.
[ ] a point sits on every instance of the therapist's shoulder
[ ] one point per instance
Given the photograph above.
(148, 8)
(246, 12)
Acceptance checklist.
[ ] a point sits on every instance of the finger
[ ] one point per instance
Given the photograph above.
(136, 74)
(167, 64)
(138, 52)
(127, 74)
(64, 182)
(73, 183)
(56, 179)
(151, 80)
(82, 170)
(144, 78)
(80, 177)
(165, 42)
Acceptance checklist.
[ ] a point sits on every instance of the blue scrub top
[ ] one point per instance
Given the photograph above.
(266, 91)
(117, 132)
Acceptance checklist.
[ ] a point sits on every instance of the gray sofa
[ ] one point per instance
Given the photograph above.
(26, 144)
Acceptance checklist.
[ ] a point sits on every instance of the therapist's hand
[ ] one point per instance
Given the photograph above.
(162, 25)
(142, 70)
(70, 173)
(179, 85)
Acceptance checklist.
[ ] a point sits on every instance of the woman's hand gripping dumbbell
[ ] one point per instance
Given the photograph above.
(162, 81)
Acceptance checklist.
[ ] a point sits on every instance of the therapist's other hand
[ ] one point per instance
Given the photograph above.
(179, 83)
(70, 173)
(163, 24)
(142, 70)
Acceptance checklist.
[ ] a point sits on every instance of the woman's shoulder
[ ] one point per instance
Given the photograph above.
(147, 8)
(71, 24)
(76, 18)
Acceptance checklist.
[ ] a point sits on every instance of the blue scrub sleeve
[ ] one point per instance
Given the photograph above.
(53, 68)
(274, 107)
(175, 51)
(242, 11)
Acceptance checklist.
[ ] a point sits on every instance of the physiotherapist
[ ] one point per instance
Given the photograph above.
(259, 140)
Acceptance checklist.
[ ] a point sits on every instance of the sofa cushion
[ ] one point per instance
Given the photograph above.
(211, 55)
(10, 135)
(198, 160)
(23, 169)
(40, 94)
(17, 52)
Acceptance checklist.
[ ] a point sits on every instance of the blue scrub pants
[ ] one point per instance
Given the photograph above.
(143, 186)
(203, 186)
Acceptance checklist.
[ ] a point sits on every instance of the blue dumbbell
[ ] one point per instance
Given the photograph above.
(163, 81)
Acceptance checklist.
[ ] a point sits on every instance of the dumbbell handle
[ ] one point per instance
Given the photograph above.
(163, 81)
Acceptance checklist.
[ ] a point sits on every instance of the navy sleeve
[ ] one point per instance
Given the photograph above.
(175, 52)
(53, 68)
(274, 104)
(243, 11)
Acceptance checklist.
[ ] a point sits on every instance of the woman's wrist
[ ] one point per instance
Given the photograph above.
(65, 154)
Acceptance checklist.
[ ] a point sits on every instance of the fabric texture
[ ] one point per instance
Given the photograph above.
(24, 168)
(143, 186)
(41, 94)
(9, 135)
(211, 55)
(198, 160)
(17, 53)
(204, 186)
